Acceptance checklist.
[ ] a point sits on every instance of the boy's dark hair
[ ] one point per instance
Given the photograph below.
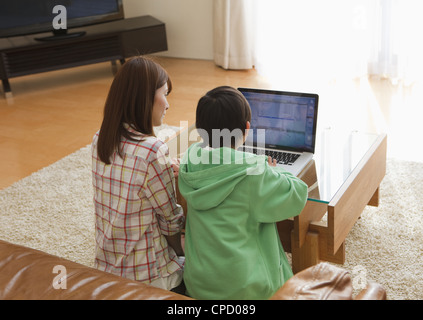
(221, 112)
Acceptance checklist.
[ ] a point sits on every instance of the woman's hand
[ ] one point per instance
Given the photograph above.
(175, 166)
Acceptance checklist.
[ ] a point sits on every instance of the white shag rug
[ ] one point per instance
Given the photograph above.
(52, 210)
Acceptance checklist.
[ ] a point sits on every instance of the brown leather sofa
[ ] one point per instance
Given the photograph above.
(29, 274)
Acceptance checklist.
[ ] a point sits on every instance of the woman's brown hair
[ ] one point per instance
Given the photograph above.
(130, 101)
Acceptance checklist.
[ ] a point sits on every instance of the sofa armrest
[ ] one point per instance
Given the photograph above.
(324, 282)
(29, 274)
(373, 291)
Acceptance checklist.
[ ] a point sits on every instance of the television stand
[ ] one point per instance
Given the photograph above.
(108, 41)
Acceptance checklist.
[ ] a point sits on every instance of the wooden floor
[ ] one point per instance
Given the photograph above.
(54, 114)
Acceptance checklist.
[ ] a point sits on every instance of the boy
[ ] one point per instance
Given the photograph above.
(232, 246)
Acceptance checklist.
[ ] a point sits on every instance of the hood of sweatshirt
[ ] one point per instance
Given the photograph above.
(208, 176)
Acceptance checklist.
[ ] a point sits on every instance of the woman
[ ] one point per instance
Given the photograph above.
(138, 221)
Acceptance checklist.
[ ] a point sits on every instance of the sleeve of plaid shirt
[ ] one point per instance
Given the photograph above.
(160, 190)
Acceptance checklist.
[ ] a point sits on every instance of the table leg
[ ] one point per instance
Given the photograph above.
(374, 201)
(308, 254)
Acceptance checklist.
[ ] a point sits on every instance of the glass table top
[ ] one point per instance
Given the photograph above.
(337, 153)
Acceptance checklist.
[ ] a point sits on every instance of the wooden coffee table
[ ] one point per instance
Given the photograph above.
(343, 179)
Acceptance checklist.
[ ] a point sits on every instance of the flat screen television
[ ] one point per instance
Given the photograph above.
(24, 17)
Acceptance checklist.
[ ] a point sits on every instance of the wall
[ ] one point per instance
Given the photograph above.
(189, 25)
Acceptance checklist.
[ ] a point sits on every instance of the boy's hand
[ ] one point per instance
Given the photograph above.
(272, 162)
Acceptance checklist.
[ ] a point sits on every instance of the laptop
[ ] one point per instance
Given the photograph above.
(283, 126)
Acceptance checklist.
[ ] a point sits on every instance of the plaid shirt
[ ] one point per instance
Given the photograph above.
(135, 205)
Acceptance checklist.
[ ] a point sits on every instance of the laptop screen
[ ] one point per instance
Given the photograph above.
(282, 120)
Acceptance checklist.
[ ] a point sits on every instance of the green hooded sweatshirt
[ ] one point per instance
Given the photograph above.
(232, 246)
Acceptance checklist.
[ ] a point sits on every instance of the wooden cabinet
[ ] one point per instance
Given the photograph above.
(109, 41)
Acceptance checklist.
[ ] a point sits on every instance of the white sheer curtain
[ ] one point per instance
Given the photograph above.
(398, 51)
(308, 41)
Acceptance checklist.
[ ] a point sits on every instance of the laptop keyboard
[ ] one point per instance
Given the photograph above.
(281, 157)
